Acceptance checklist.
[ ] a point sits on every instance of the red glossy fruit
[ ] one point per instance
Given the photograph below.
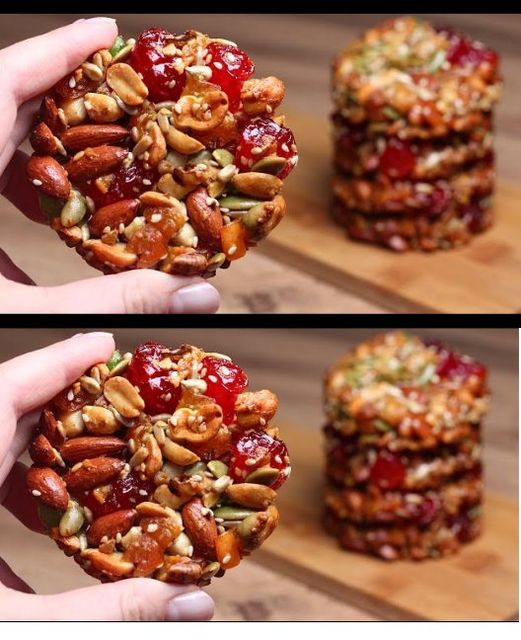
(125, 494)
(230, 68)
(128, 182)
(224, 380)
(453, 365)
(466, 52)
(261, 138)
(436, 201)
(154, 384)
(159, 71)
(473, 215)
(257, 449)
(387, 472)
(425, 512)
(397, 160)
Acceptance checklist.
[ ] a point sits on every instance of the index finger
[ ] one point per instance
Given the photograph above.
(33, 66)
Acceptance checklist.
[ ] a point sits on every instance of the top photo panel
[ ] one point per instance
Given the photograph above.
(261, 163)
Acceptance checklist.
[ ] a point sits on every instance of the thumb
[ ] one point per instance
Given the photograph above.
(133, 599)
(141, 291)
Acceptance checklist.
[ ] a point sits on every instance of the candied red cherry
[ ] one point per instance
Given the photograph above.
(387, 472)
(230, 68)
(125, 494)
(154, 382)
(159, 71)
(424, 513)
(224, 381)
(397, 160)
(453, 365)
(436, 201)
(128, 182)
(263, 137)
(257, 449)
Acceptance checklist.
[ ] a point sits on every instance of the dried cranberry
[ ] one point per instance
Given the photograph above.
(158, 70)
(125, 494)
(230, 68)
(436, 201)
(463, 526)
(453, 365)
(224, 381)
(128, 182)
(257, 449)
(154, 383)
(397, 160)
(263, 137)
(473, 215)
(387, 472)
(464, 51)
(424, 513)
(351, 137)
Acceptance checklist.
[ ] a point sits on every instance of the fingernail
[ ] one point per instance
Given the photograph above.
(196, 298)
(94, 335)
(193, 605)
(100, 19)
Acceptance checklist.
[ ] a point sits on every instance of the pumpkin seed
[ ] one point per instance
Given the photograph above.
(202, 157)
(270, 164)
(222, 483)
(115, 357)
(52, 207)
(196, 469)
(72, 520)
(74, 210)
(247, 526)
(223, 157)
(119, 43)
(237, 203)
(233, 513)
(218, 468)
(263, 475)
(211, 569)
(49, 517)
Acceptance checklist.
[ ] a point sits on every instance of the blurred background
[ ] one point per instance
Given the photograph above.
(299, 49)
(291, 363)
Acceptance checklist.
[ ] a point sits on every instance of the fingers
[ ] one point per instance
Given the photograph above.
(31, 380)
(33, 66)
(16, 499)
(9, 579)
(15, 187)
(140, 291)
(10, 271)
(137, 599)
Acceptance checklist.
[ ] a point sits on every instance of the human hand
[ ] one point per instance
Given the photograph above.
(28, 382)
(29, 69)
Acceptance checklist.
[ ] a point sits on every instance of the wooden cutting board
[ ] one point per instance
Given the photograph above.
(480, 583)
(480, 278)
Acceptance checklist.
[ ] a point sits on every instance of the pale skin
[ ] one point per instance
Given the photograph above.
(26, 76)
(29, 382)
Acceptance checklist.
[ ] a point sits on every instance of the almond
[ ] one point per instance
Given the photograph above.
(49, 427)
(123, 397)
(111, 255)
(111, 564)
(206, 219)
(42, 452)
(46, 485)
(93, 472)
(95, 162)
(49, 176)
(93, 135)
(110, 525)
(201, 530)
(49, 114)
(43, 141)
(248, 494)
(78, 449)
(112, 215)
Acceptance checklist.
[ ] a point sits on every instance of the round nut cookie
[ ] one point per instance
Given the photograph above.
(160, 464)
(163, 153)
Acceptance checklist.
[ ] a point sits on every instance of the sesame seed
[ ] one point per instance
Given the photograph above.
(36, 493)
(37, 183)
(152, 527)
(227, 558)
(142, 492)
(232, 250)
(250, 462)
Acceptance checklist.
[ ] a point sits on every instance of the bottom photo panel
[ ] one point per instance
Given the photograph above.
(259, 474)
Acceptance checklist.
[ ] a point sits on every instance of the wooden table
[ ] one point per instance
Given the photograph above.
(298, 48)
(291, 363)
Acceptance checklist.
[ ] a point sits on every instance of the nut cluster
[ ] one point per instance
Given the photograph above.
(191, 210)
(131, 494)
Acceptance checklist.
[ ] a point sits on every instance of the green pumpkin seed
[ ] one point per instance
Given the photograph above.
(52, 207)
(49, 517)
(233, 513)
(119, 43)
(203, 157)
(218, 468)
(211, 569)
(223, 157)
(270, 164)
(74, 210)
(238, 203)
(196, 469)
(381, 425)
(263, 475)
(72, 520)
(115, 358)
(247, 526)
(216, 189)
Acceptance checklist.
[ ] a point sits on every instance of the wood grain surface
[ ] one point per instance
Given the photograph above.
(291, 362)
(299, 49)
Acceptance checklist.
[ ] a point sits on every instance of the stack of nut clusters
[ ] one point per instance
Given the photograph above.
(413, 136)
(403, 455)
(163, 153)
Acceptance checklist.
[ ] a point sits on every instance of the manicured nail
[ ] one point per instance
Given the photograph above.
(100, 19)
(95, 335)
(192, 605)
(196, 298)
